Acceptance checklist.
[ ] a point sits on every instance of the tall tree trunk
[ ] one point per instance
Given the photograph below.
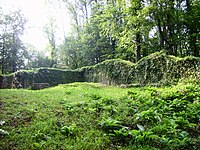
(52, 57)
(3, 57)
(138, 46)
(14, 54)
(113, 44)
(192, 31)
(138, 33)
(193, 41)
(86, 11)
(161, 36)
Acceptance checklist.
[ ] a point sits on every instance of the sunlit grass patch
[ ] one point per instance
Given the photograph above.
(96, 116)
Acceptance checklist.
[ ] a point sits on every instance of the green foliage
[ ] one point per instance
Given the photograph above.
(95, 116)
(128, 30)
(69, 130)
(25, 78)
(49, 30)
(56, 76)
(12, 50)
(131, 30)
(156, 69)
(36, 59)
(112, 72)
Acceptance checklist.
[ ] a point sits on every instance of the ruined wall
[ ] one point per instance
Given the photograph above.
(25, 79)
(6, 81)
(155, 69)
(56, 76)
(111, 72)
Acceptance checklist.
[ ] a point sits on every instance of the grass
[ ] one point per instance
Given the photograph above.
(95, 116)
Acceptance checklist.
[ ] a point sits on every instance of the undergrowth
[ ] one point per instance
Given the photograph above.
(95, 116)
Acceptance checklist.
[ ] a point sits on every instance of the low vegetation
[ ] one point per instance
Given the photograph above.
(95, 116)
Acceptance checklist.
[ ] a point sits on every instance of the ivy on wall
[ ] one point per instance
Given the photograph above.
(155, 69)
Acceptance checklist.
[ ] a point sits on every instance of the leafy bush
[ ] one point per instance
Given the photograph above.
(69, 130)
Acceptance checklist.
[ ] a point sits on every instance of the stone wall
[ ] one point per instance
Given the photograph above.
(57, 76)
(155, 69)
(111, 72)
(6, 81)
(25, 79)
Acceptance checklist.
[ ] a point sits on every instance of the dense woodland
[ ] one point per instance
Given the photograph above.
(105, 29)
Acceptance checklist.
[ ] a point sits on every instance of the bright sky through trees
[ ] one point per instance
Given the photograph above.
(38, 12)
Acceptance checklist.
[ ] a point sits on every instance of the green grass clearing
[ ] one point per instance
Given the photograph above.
(95, 116)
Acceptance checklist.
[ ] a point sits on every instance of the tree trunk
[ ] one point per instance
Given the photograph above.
(138, 46)
(192, 32)
(14, 54)
(160, 34)
(3, 57)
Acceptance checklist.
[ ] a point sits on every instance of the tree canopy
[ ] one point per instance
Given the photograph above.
(12, 50)
(130, 29)
(107, 29)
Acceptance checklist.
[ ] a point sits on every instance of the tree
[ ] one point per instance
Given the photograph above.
(96, 46)
(132, 29)
(49, 30)
(77, 47)
(125, 22)
(192, 22)
(70, 52)
(12, 49)
(135, 8)
(36, 59)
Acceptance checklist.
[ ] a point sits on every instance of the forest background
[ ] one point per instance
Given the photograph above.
(101, 30)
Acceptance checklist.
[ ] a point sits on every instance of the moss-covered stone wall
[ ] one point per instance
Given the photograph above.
(111, 72)
(6, 81)
(25, 79)
(55, 76)
(155, 69)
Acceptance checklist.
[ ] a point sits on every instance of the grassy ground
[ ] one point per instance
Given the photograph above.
(93, 116)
